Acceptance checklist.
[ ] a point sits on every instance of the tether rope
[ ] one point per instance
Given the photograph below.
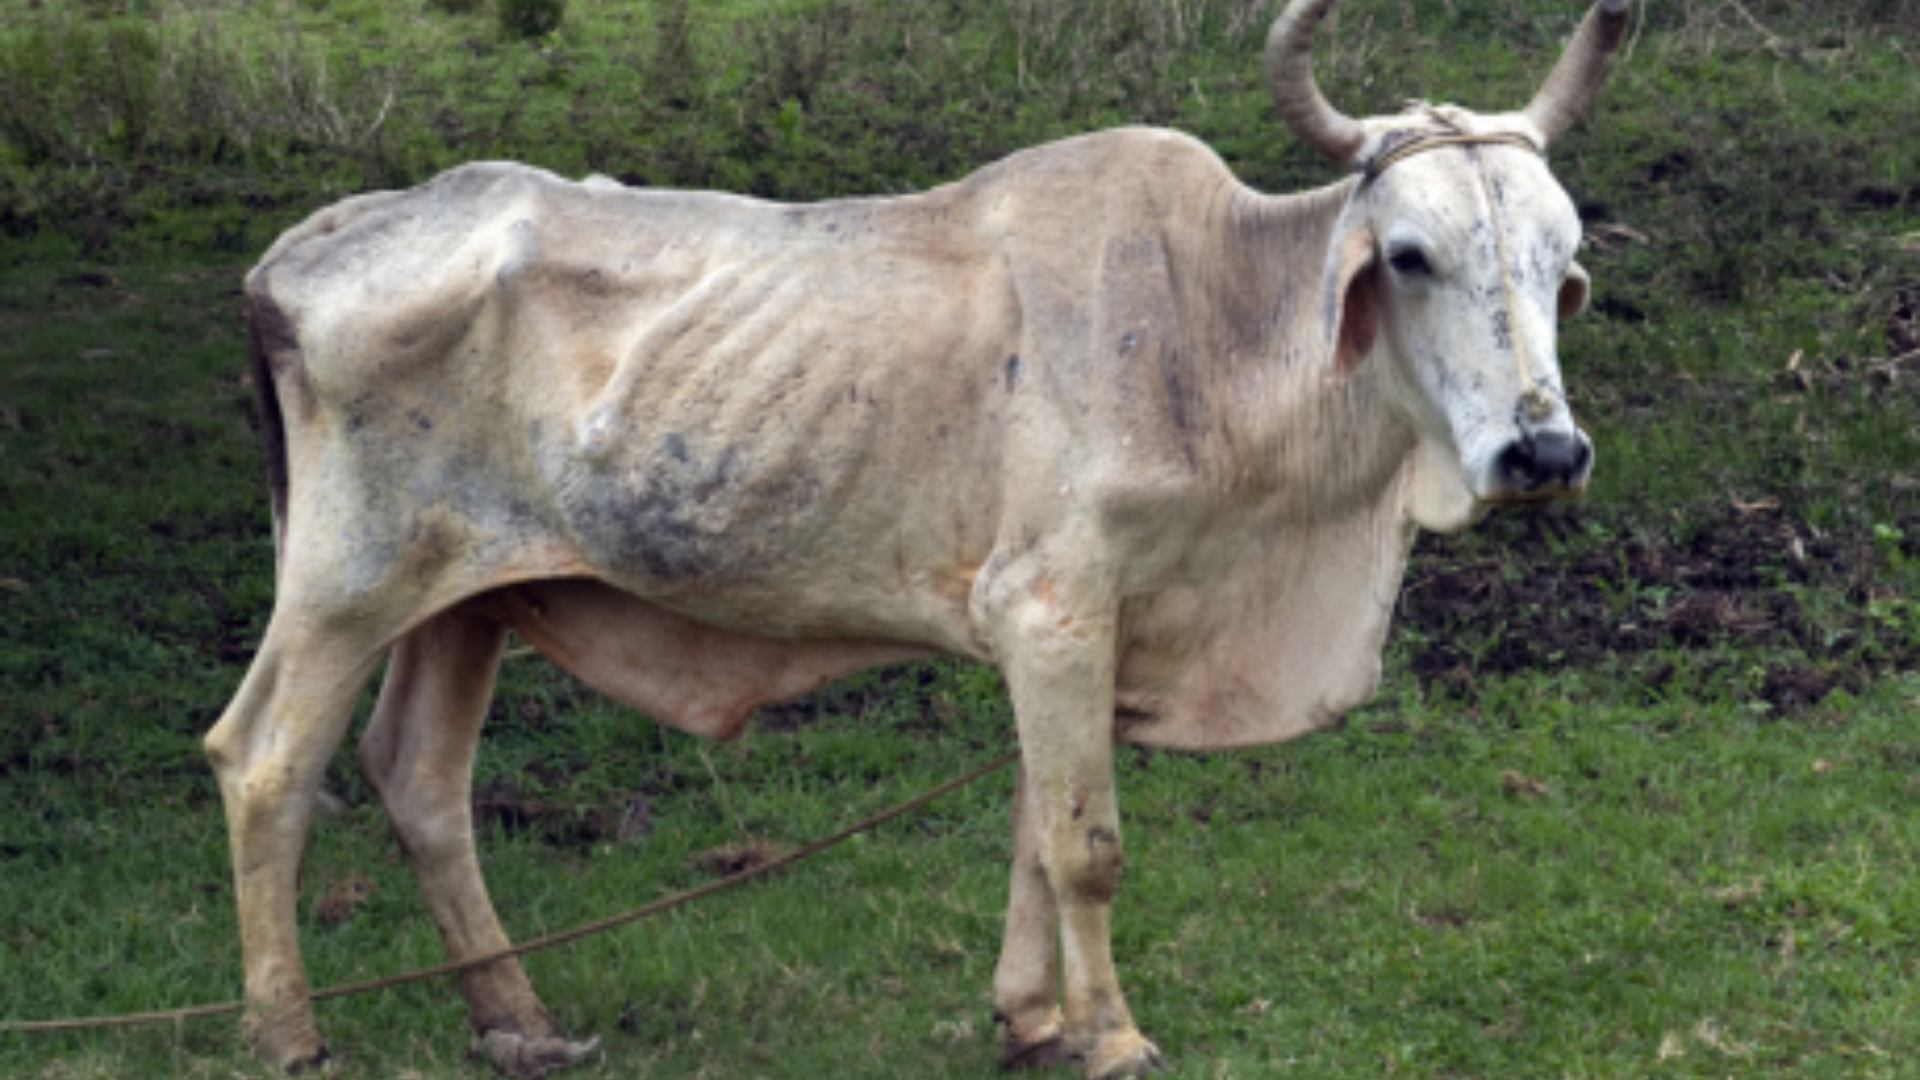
(665, 903)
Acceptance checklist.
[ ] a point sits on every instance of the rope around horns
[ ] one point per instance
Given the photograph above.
(665, 903)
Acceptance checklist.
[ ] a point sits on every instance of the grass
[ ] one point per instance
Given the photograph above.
(1590, 829)
(1684, 890)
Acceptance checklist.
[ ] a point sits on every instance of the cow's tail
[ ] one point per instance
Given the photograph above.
(271, 347)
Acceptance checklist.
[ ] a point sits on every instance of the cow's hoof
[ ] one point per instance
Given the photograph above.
(525, 1058)
(1038, 1045)
(1122, 1054)
(1036, 1053)
(290, 1045)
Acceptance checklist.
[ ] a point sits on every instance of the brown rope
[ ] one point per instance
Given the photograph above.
(1425, 143)
(665, 903)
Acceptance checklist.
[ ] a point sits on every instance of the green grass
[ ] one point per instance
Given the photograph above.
(1554, 847)
(1682, 890)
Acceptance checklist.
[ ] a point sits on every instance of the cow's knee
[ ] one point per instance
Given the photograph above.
(1098, 877)
(1084, 858)
(1083, 866)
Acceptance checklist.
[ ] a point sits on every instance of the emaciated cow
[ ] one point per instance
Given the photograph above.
(1152, 443)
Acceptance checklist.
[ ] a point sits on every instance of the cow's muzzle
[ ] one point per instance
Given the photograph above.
(1543, 465)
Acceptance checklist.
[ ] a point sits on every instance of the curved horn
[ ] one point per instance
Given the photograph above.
(1574, 81)
(1296, 95)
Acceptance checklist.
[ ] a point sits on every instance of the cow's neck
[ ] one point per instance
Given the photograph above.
(1285, 426)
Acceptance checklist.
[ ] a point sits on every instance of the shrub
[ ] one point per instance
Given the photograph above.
(74, 92)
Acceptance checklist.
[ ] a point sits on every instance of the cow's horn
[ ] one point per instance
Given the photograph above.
(1296, 95)
(1573, 82)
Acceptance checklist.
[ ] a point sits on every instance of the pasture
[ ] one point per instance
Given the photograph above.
(1640, 796)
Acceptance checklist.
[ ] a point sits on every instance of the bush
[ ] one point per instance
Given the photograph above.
(73, 93)
(531, 18)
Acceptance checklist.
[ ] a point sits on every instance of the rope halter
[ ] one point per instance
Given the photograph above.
(1535, 401)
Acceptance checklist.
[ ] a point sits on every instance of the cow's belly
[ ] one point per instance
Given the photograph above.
(684, 673)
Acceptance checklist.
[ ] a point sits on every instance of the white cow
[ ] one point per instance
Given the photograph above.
(1152, 443)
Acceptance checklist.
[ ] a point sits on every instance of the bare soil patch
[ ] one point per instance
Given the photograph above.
(1751, 576)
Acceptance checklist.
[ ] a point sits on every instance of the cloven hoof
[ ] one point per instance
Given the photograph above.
(1123, 1056)
(522, 1058)
(1042, 1053)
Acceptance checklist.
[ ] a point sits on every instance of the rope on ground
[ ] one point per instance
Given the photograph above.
(665, 903)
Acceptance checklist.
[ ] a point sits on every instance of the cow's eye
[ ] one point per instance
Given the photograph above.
(1410, 261)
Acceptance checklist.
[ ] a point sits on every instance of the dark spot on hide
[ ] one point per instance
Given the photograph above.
(1013, 370)
(420, 419)
(687, 510)
(668, 519)
(358, 412)
(1128, 341)
(1502, 331)
(1182, 403)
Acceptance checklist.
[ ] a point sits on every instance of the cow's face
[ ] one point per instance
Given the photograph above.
(1455, 258)
(1473, 267)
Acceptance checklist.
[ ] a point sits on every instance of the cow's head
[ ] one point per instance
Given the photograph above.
(1452, 264)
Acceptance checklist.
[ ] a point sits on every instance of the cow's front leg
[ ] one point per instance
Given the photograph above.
(1026, 985)
(1058, 657)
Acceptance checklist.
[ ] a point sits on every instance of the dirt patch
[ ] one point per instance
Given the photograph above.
(1743, 577)
(731, 859)
(624, 819)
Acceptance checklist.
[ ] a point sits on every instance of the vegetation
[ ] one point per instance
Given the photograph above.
(1637, 799)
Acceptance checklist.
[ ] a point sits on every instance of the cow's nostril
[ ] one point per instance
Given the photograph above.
(1559, 458)
(1549, 458)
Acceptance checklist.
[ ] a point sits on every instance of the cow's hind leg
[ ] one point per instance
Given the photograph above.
(418, 754)
(269, 751)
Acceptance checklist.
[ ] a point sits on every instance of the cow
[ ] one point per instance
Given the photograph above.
(1152, 443)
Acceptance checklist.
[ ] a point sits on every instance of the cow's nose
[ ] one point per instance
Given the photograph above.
(1549, 459)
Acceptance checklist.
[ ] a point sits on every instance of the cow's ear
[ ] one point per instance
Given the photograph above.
(1573, 291)
(1358, 283)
